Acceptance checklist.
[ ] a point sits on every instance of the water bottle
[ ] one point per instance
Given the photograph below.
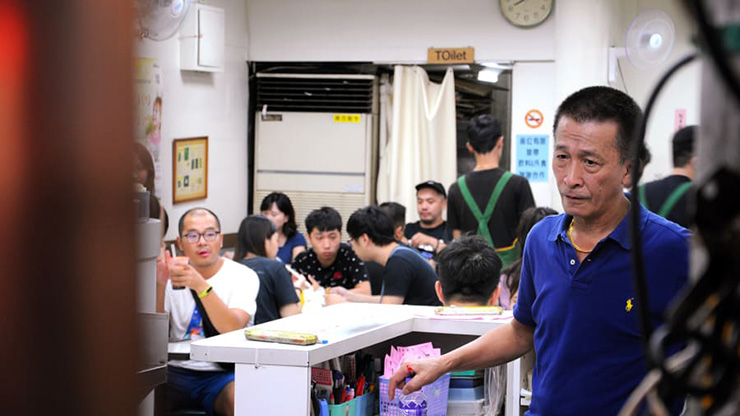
(412, 404)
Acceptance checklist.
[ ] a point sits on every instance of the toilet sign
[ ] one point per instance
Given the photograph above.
(450, 55)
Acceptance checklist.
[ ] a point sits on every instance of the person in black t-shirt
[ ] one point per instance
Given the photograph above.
(669, 197)
(430, 234)
(407, 277)
(257, 247)
(488, 185)
(329, 261)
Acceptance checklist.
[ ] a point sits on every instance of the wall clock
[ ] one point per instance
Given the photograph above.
(526, 13)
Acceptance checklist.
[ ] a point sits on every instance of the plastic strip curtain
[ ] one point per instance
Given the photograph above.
(421, 145)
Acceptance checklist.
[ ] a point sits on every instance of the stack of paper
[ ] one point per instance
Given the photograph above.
(400, 355)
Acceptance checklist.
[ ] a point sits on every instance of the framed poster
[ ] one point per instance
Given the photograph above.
(189, 169)
(148, 112)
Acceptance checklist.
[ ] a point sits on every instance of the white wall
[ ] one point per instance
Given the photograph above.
(401, 31)
(388, 31)
(576, 39)
(213, 105)
(534, 83)
(583, 40)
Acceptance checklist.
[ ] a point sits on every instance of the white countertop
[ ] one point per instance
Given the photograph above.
(345, 327)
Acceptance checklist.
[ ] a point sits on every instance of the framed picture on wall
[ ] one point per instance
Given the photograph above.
(189, 169)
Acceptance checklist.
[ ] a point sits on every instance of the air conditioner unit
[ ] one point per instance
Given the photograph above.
(315, 140)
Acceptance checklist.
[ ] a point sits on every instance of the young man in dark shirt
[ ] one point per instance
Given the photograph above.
(407, 277)
(668, 197)
(430, 233)
(330, 262)
(488, 189)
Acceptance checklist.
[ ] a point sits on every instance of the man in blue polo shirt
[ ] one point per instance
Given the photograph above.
(576, 303)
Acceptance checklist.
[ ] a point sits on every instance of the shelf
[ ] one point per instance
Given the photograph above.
(149, 378)
(346, 328)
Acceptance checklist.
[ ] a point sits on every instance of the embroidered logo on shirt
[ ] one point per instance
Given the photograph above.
(337, 275)
(629, 305)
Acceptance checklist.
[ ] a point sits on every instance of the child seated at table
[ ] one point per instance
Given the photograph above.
(468, 270)
(256, 248)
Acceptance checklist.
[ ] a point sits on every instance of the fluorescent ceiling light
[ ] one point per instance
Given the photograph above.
(489, 75)
(498, 65)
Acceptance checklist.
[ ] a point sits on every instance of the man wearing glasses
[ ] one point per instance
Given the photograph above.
(220, 297)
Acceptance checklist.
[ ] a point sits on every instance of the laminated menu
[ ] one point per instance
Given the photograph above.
(468, 310)
(283, 337)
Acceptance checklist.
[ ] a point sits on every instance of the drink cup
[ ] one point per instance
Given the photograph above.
(179, 260)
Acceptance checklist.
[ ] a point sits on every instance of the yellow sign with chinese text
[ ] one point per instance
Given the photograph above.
(347, 118)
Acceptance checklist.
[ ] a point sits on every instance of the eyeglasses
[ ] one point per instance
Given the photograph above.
(193, 237)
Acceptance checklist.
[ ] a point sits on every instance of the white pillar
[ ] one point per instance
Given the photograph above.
(583, 36)
(583, 32)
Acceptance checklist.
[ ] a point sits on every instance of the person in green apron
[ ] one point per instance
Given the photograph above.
(668, 197)
(489, 200)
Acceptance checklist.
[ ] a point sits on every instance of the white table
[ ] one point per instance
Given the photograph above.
(275, 378)
(178, 350)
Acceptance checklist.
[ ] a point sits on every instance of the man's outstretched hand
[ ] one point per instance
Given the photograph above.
(423, 371)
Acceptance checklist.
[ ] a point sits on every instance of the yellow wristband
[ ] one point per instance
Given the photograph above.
(205, 293)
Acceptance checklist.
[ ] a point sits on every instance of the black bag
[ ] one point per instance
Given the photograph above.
(208, 327)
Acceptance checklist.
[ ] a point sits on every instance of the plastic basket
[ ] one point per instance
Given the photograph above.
(436, 393)
(359, 406)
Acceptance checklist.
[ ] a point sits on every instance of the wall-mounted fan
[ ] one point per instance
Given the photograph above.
(648, 43)
(160, 19)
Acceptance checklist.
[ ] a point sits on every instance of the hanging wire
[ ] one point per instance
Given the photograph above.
(706, 321)
(638, 260)
(621, 76)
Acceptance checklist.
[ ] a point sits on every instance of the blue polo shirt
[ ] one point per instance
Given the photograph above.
(584, 315)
